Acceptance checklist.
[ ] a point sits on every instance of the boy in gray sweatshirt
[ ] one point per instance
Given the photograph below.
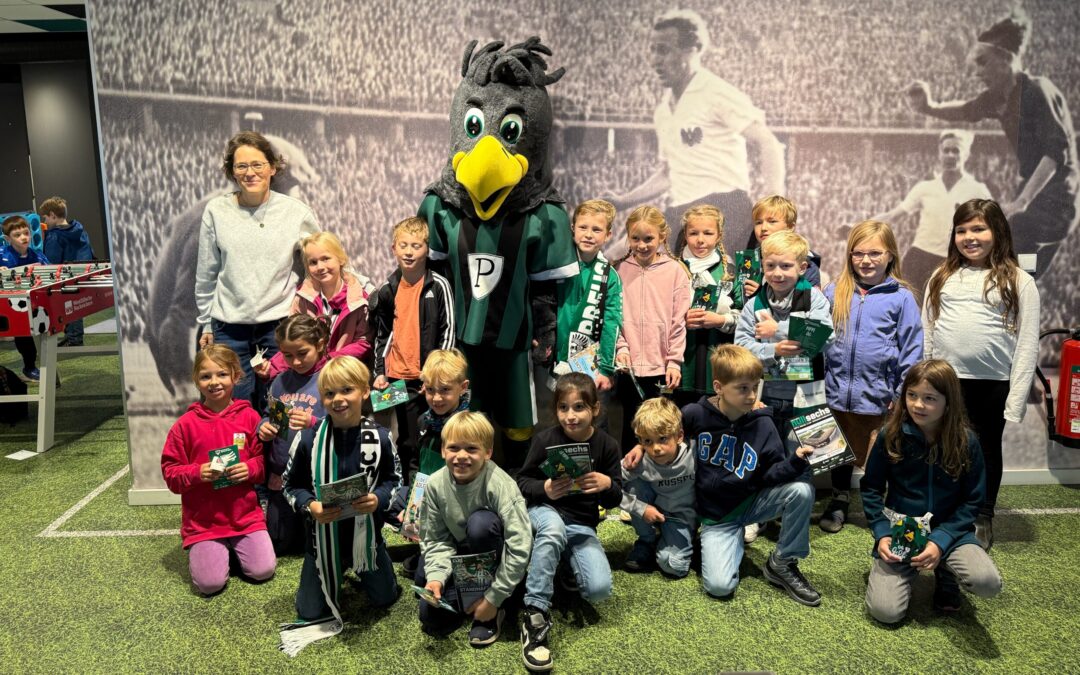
(471, 506)
(659, 492)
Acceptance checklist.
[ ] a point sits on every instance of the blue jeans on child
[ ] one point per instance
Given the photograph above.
(554, 539)
(244, 339)
(483, 532)
(676, 537)
(380, 584)
(722, 544)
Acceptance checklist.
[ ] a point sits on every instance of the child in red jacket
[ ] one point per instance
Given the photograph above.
(213, 459)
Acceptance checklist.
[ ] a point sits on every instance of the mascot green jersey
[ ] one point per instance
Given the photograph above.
(499, 225)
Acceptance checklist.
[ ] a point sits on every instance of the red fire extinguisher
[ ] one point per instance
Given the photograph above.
(1064, 422)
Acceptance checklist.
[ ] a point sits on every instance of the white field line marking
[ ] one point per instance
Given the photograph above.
(52, 531)
(1039, 512)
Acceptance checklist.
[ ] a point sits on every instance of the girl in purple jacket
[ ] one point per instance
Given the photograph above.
(878, 336)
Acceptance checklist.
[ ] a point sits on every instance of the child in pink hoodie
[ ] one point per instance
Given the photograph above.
(212, 459)
(656, 298)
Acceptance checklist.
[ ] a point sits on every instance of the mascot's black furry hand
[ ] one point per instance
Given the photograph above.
(545, 319)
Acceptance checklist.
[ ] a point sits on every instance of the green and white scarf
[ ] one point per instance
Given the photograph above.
(324, 469)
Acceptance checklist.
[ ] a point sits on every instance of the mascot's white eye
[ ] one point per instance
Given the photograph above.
(474, 122)
(511, 128)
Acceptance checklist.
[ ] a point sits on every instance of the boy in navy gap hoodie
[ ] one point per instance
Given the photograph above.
(65, 242)
(745, 476)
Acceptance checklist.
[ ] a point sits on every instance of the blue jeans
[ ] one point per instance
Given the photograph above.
(676, 537)
(380, 584)
(554, 539)
(244, 339)
(722, 544)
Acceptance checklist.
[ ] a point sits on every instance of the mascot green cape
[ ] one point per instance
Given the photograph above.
(500, 227)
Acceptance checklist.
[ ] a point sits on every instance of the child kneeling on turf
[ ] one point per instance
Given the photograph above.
(927, 459)
(471, 506)
(345, 444)
(659, 492)
(565, 512)
(745, 476)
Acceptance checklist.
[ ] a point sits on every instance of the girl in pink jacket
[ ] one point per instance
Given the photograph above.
(656, 297)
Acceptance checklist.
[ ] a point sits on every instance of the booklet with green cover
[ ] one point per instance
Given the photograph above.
(222, 459)
(810, 333)
(395, 394)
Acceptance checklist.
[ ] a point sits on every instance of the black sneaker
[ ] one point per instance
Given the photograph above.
(786, 575)
(946, 591)
(534, 640)
(640, 559)
(567, 578)
(984, 531)
(484, 633)
(410, 564)
(835, 515)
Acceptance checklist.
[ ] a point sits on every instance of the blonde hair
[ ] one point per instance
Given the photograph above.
(444, 366)
(731, 363)
(469, 427)
(342, 371)
(713, 213)
(597, 206)
(330, 242)
(779, 205)
(649, 215)
(222, 356)
(657, 417)
(415, 225)
(845, 285)
(786, 242)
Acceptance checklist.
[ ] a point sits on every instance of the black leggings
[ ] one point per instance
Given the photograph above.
(984, 401)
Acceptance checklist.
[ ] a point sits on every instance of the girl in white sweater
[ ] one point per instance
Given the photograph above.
(981, 314)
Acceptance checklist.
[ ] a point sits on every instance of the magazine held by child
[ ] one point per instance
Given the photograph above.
(277, 412)
(909, 533)
(410, 524)
(395, 393)
(342, 493)
(571, 460)
(473, 574)
(811, 334)
(819, 430)
(747, 268)
(222, 459)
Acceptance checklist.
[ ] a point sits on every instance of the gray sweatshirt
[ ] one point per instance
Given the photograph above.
(446, 509)
(246, 271)
(673, 484)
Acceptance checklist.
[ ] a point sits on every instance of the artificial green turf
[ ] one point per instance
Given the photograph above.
(124, 604)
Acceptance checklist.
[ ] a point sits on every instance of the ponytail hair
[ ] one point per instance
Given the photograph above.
(304, 328)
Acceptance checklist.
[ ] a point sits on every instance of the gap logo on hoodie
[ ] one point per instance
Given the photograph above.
(724, 454)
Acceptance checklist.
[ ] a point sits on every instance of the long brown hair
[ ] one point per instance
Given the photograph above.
(950, 451)
(845, 285)
(1002, 261)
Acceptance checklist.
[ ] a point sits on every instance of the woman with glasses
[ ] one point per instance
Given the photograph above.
(878, 337)
(248, 268)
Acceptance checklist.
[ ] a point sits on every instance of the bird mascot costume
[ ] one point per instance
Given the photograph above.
(500, 229)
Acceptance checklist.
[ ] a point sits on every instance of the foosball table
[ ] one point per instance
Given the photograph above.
(43, 300)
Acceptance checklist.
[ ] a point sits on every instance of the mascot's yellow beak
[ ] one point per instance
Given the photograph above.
(488, 173)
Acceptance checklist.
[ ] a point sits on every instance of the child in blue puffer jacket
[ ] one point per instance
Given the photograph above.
(878, 337)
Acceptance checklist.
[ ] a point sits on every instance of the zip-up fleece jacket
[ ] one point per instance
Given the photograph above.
(207, 513)
(736, 459)
(436, 317)
(913, 487)
(655, 301)
(865, 364)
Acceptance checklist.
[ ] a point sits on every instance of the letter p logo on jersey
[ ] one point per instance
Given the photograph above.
(485, 270)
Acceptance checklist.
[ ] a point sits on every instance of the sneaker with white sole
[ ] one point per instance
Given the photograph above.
(786, 575)
(484, 633)
(534, 640)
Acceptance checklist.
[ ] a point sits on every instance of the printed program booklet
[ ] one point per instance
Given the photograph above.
(278, 414)
(584, 360)
(222, 459)
(342, 493)
(706, 294)
(820, 431)
(571, 459)
(473, 575)
(429, 597)
(410, 525)
(395, 394)
(747, 268)
(811, 334)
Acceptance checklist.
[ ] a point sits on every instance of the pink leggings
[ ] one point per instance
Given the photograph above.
(209, 560)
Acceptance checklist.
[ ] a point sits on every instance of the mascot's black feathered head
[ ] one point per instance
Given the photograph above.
(500, 121)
